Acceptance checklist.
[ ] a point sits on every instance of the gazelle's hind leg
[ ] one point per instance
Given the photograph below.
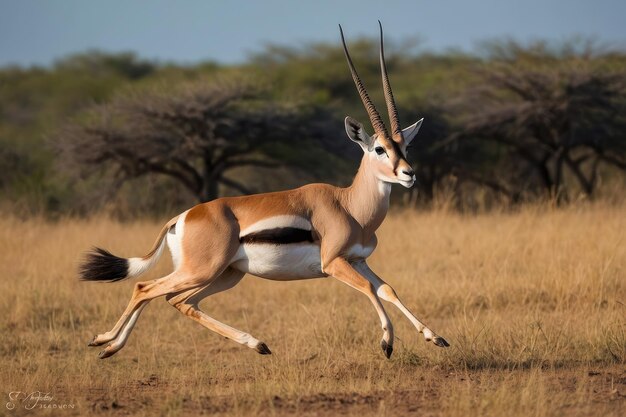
(119, 342)
(187, 303)
(131, 310)
(175, 283)
(138, 299)
(387, 293)
(144, 292)
(208, 242)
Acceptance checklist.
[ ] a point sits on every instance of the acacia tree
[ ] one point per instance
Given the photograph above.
(194, 134)
(543, 120)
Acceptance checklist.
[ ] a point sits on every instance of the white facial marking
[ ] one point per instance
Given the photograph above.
(281, 262)
(174, 240)
(274, 222)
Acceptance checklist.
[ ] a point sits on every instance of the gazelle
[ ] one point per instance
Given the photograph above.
(314, 231)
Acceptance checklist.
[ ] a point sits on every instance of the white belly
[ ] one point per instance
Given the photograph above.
(280, 262)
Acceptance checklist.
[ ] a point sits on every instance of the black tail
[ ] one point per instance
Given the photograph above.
(102, 265)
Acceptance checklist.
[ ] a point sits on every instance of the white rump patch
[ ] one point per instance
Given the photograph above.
(275, 222)
(175, 240)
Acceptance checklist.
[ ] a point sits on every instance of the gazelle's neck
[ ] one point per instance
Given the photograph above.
(367, 199)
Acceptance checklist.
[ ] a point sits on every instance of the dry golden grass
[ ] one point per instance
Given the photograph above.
(531, 302)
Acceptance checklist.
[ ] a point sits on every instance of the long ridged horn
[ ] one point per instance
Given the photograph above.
(375, 119)
(396, 130)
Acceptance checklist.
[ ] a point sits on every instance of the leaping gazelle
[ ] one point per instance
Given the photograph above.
(314, 231)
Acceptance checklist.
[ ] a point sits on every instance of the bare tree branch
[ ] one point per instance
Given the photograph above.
(235, 185)
(194, 134)
(545, 114)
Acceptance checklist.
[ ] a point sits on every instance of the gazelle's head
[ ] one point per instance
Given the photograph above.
(385, 152)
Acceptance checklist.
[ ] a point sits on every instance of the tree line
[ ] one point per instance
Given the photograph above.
(514, 123)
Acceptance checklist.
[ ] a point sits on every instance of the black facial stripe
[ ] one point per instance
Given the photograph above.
(399, 156)
(396, 148)
(278, 236)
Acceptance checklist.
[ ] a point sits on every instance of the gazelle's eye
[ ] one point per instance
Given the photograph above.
(379, 150)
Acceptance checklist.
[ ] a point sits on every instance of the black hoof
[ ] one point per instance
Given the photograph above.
(440, 341)
(263, 349)
(387, 348)
(107, 353)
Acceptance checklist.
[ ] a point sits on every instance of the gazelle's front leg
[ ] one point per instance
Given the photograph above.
(384, 291)
(346, 273)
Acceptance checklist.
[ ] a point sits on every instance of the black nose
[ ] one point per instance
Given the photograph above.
(410, 173)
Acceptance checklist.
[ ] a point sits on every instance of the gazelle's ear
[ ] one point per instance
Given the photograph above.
(356, 133)
(410, 132)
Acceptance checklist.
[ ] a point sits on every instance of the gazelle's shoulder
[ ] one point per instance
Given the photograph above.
(319, 190)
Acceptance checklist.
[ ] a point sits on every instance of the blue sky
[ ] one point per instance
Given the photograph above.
(188, 31)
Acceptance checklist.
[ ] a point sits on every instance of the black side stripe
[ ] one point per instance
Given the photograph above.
(278, 236)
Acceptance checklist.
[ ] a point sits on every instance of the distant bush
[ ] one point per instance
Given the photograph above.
(509, 124)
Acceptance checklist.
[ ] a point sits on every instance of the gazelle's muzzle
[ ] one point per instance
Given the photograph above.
(406, 177)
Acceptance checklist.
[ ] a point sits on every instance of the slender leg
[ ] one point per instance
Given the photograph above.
(210, 244)
(176, 282)
(387, 293)
(187, 303)
(133, 304)
(119, 342)
(342, 270)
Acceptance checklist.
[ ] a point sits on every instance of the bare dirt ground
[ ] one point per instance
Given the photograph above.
(606, 396)
(532, 303)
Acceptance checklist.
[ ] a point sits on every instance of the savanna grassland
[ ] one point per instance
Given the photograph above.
(532, 303)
